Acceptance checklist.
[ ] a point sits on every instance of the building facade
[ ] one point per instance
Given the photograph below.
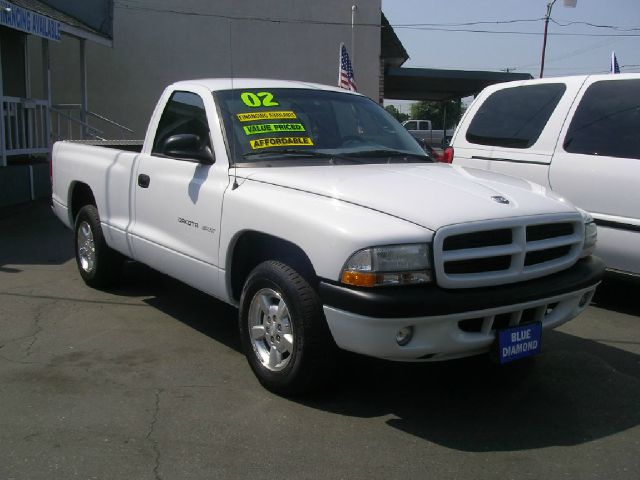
(159, 42)
(106, 62)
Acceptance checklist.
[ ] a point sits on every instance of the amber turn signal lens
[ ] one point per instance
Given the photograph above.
(359, 279)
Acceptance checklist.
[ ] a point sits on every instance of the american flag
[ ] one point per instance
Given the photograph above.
(345, 77)
(615, 68)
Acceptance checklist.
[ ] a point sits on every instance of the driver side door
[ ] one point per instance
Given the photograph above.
(178, 201)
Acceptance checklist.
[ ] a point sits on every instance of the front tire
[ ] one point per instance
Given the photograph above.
(284, 334)
(98, 264)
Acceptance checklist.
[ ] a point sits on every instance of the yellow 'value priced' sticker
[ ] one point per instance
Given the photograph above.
(273, 127)
(275, 115)
(279, 142)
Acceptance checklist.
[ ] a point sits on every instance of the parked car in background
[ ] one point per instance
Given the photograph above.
(422, 130)
(579, 136)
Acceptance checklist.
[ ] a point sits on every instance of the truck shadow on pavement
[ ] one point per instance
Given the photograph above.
(578, 391)
(32, 235)
(619, 293)
(192, 307)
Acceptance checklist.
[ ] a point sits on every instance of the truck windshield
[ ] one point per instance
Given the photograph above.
(305, 125)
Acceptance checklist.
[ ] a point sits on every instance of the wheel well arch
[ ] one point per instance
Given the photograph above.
(250, 248)
(80, 195)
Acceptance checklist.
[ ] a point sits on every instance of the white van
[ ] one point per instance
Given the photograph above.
(578, 136)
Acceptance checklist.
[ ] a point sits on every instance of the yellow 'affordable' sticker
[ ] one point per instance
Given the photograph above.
(275, 115)
(279, 142)
(273, 127)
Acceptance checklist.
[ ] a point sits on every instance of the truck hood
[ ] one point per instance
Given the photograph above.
(429, 195)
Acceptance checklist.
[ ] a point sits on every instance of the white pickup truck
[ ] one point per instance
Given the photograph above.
(313, 211)
(577, 136)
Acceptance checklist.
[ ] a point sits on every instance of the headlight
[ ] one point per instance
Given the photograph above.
(590, 234)
(388, 265)
(590, 239)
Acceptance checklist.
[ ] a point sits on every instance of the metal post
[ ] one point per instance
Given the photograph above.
(27, 67)
(3, 134)
(83, 88)
(444, 124)
(46, 89)
(353, 34)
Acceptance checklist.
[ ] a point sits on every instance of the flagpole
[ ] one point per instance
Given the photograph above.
(353, 34)
(340, 61)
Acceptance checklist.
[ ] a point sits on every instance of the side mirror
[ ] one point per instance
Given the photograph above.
(189, 147)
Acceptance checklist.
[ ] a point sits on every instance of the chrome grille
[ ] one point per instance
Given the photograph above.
(507, 250)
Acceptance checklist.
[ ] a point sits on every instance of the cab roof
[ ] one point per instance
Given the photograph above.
(218, 84)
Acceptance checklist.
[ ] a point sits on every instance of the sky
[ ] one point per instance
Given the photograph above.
(565, 54)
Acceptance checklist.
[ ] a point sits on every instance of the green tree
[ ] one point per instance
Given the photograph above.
(397, 114)
(434, 111)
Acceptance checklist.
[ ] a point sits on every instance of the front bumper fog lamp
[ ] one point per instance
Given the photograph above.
(404, 336)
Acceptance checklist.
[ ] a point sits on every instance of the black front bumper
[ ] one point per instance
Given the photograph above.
(430, 300)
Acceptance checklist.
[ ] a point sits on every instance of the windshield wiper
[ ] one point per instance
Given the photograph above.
(382, 153)
(291, 151)
(299, 152)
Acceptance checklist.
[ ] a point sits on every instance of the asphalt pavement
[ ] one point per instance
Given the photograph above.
(147, 381)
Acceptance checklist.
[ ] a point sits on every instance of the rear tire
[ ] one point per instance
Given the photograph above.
(283, 330)
(98, 264)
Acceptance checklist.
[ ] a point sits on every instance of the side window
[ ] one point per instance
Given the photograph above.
(607, 121)
(184, 113)
(423, 125)
(515, 117)
(411, 126)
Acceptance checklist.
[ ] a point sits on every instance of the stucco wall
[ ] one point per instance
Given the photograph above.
(154, 48)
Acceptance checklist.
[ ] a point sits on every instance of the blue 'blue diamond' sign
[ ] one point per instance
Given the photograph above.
(519, 342)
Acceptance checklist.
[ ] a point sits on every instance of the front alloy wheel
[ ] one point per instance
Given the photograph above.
(272, 336)
(284, 334)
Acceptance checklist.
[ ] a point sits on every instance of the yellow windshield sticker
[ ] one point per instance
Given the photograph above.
(261, 99)
(273, 127)
(279, 142)
(276, 115)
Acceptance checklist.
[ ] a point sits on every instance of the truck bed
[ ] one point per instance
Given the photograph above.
(127, 145)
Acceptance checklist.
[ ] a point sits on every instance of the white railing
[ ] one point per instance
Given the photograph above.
(67, 123)
(24, 127)
(30, 126)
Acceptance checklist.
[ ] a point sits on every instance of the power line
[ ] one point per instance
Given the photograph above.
(129, 6)
(443, 27)
(513, 32)
(439, 27)
(466, 24)
(594, 25)
(586, 49)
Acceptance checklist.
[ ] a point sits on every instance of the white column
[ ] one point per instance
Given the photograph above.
(46, 88)
(83, 87)
(3, 137)
(27, 67)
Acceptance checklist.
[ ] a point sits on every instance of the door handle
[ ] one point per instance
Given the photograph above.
(144, 180)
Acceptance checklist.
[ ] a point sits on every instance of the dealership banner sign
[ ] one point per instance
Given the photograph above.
(28, 21)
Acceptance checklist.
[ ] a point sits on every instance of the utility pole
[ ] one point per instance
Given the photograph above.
(544, 40)
(567, 3)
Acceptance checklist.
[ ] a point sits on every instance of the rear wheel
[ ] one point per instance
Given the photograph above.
(283, 330)
(98, 264)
